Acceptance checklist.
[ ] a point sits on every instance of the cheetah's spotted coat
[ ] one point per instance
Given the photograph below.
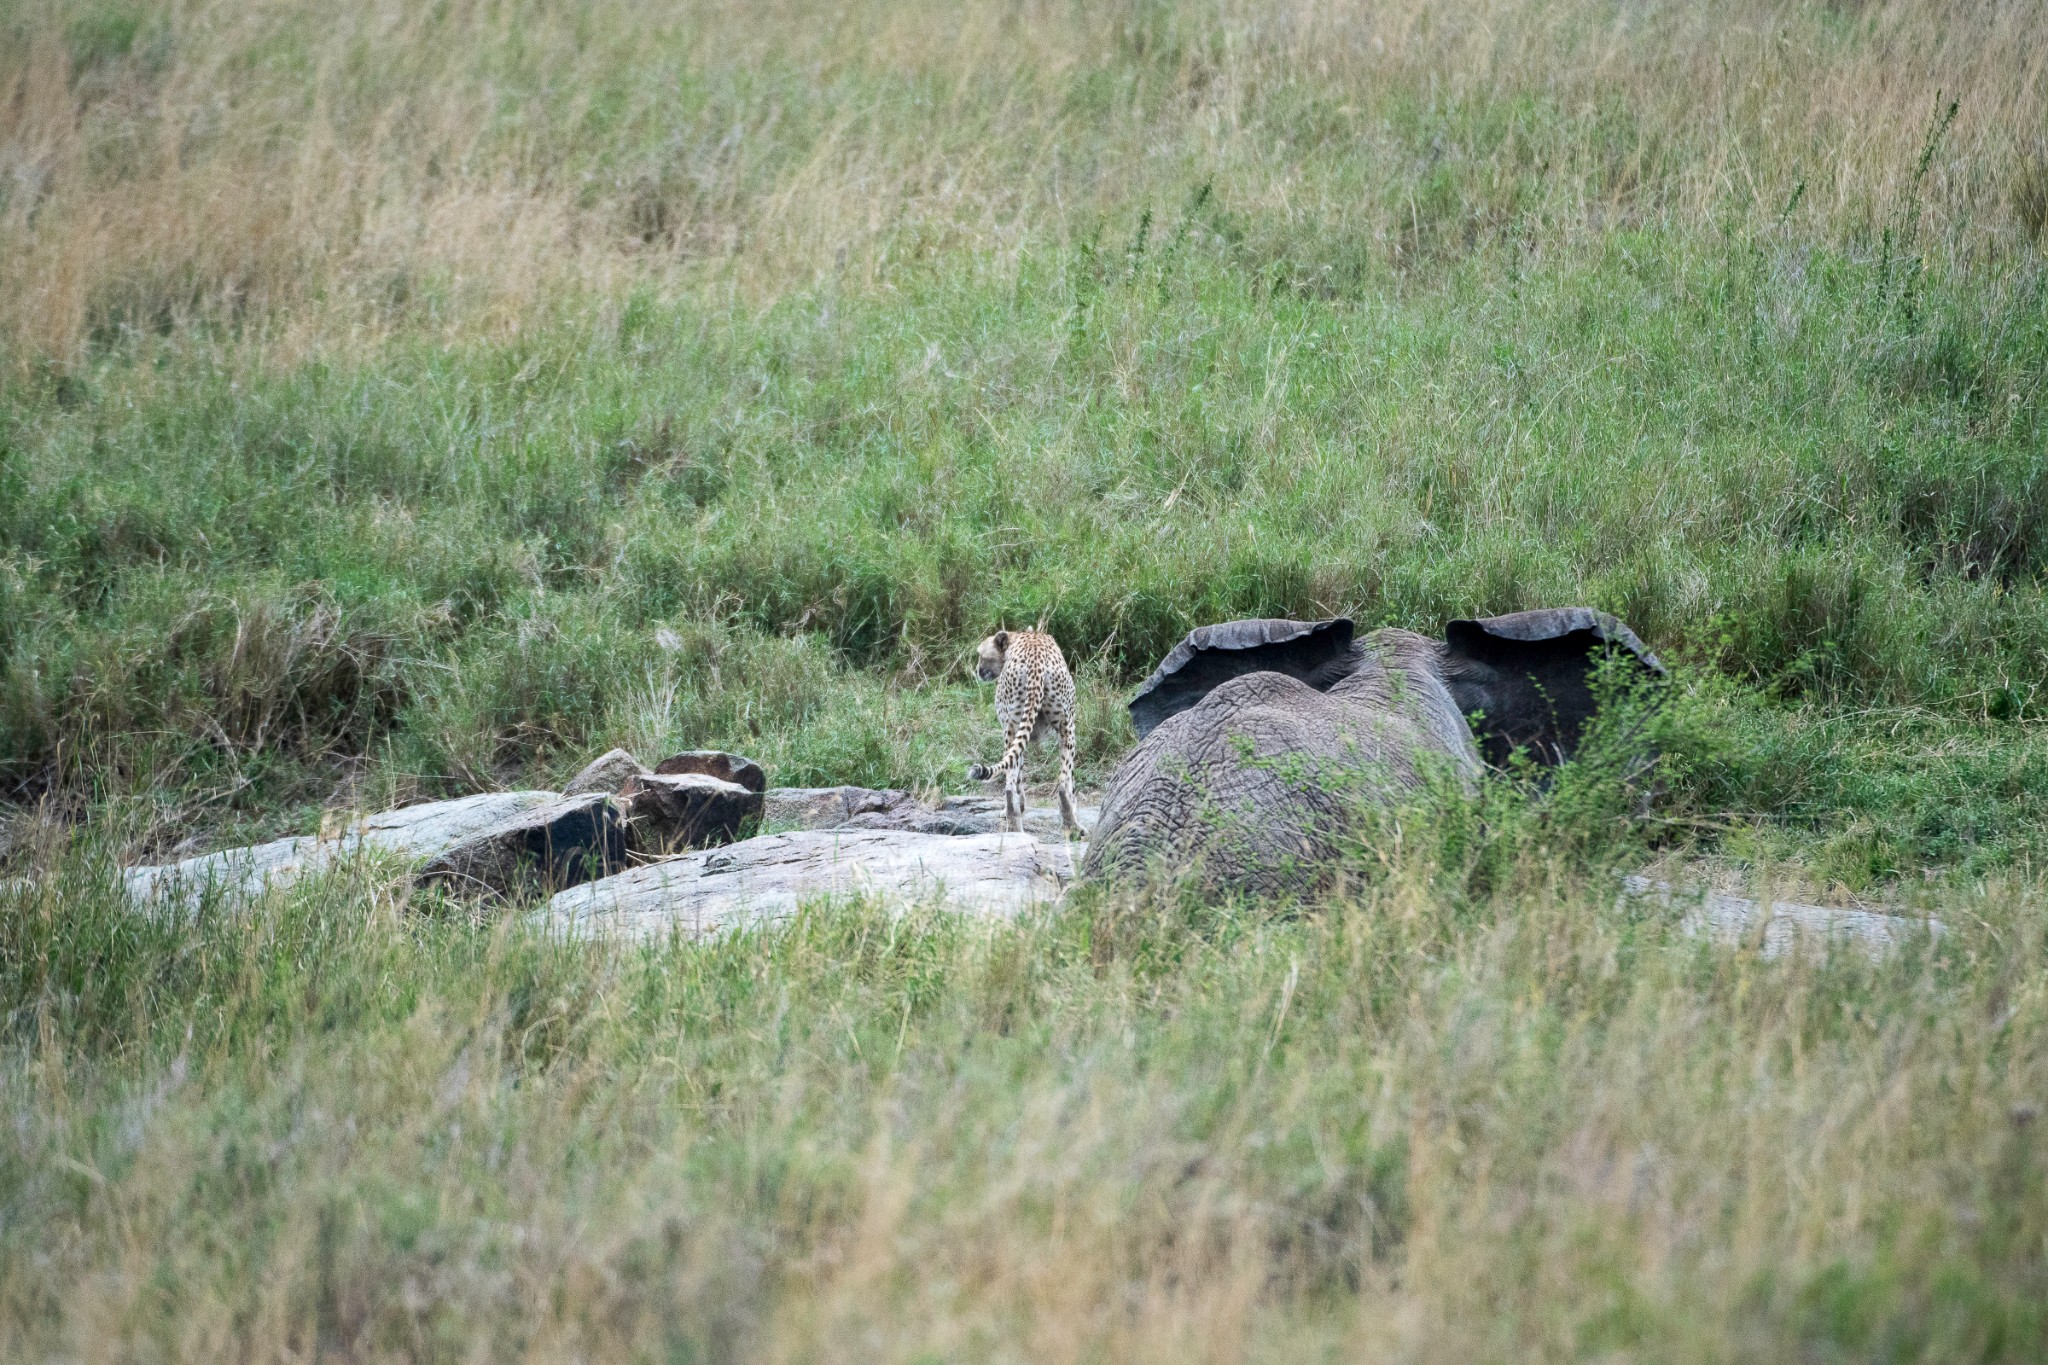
(1034, 700)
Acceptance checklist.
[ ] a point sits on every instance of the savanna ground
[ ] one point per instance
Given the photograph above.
(398, 401)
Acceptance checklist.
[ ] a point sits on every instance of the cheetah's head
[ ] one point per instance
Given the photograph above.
(989, 655)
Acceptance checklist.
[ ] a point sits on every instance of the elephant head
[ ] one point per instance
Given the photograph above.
(1259, 741)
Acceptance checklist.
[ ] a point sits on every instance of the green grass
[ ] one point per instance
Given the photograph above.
(1424, 1122)
(397, 406)
(454, 564)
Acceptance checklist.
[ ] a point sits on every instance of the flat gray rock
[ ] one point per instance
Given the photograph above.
(857, 808)
(809, 807)
(1040, 818)
(1782, 927)
(417, 832)
(869, 808)
(764, 880)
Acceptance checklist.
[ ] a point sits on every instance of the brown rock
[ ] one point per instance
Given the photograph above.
(715, 763)
(667, 813)
(608, 773)
(558, 845)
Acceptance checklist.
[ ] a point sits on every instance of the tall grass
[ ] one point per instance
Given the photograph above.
(380, 382)
(321, 177)
(1423, 1124)
(440, 567)
(404, 400)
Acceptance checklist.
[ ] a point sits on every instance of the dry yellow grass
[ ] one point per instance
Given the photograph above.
(317, 175)
(1522, 1130)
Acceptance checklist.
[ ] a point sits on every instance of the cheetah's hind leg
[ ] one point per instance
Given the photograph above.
(1070, 816)
(1013, 800)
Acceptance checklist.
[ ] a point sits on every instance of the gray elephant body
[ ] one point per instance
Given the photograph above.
(1260, 781)
(1262, 742)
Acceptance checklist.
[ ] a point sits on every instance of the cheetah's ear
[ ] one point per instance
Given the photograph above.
(1002, 639)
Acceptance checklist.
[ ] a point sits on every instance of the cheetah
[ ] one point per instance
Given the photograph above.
(1034, 700)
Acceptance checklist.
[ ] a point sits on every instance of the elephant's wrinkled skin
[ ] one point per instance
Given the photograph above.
(1260, 741)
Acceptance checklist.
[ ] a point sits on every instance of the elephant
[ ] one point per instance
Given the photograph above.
(1259, 742)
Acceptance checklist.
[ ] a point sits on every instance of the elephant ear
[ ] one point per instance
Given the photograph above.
(1526, 678)
(1316, 652)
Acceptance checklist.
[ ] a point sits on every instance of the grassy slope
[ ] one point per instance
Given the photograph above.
(402, 403)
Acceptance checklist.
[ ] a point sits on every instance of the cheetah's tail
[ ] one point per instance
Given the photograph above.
(1013, 753)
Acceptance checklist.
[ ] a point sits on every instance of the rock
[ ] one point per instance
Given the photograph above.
(869, 808)
(1782, 926)
(805, 807)
(913, 818)
(983, 813)
(608, 773)
(726, 767)
(565, 843)
(764, 880)
(669, 813)
(986, 812)
(856, 808)
(238, 874)
(885, 804)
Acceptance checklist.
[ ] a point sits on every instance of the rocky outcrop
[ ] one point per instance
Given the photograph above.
(563, 843)
(764, 880)
(1781, 927)
(986, 813)
(715, 763)
(787, 808)
(607, 773)
(869, 808)
(244, 873)
(669, 813)
(498, 842)
(860, 808)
